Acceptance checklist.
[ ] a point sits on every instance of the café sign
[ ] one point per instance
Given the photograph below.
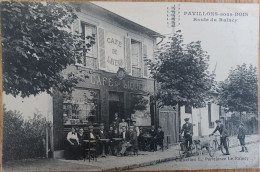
(114, 52)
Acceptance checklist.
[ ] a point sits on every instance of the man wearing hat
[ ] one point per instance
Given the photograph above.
(187, 128)
(241, 136)
(90, 135)
(223, 135)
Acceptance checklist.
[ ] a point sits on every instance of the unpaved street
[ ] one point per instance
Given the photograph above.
(236, 159)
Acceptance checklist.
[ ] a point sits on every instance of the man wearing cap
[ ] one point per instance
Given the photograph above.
(187, 128)
(223, 135)
(241, 136)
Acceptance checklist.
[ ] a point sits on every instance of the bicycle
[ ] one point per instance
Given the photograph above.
(187, 152)
(218, 146)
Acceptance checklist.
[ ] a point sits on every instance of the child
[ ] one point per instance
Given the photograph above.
(241, 136)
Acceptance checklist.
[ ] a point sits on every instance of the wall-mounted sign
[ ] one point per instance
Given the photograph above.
(114, 52)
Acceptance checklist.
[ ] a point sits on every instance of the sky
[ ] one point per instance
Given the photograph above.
(228, 43)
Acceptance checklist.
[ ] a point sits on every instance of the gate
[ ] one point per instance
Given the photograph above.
(168, 120)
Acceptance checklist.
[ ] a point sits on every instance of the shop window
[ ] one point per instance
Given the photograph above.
(89, 59)
(81, 107)
(136, 58)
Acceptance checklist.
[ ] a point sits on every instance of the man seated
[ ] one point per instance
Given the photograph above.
(81, 137)
(102, 135)
(90, 135)
(153, 133)
(129, 139)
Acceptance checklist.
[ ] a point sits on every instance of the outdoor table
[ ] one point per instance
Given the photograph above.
(117, 141)
(103, 141)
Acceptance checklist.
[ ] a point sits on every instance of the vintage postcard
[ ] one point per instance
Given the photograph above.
(91, 86)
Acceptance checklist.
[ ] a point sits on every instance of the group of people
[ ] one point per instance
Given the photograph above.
(121, 136)
(187, 129)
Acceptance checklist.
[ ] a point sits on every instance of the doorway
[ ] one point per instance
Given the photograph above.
(116, 104)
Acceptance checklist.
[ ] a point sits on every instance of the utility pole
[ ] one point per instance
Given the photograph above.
(173, 16)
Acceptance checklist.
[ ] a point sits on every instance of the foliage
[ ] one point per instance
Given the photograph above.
(138, 103)
(22, 139)
(37, 45)
(182, 73)
(250, 123)
(239, 92)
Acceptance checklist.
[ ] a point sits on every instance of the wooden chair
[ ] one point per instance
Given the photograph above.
(91, 150)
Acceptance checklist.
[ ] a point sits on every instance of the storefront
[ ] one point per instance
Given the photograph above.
(114, 75)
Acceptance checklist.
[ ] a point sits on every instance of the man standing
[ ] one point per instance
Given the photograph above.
(223, 135)
(187, 128)
(160, 137)
(136, 129)
(241, 136)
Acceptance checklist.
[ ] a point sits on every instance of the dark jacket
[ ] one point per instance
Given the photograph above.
(81, 138)
(110, 134)
(160, 135)
(102, 135)
(241, 133)
(187, 129)
(153, 133)
(222, 130)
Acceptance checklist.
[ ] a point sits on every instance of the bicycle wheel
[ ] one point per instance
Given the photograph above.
(215, 145)
(211, 151)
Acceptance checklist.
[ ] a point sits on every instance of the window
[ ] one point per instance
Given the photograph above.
(188, 109)
(89, 59)
(136, 58)
(211, 124)
(80, 105)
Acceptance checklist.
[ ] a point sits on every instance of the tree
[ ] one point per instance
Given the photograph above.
(37, 45)
(239, 92)
(182, 73)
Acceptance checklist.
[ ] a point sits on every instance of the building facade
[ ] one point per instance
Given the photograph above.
(114, 74)
(203, 119)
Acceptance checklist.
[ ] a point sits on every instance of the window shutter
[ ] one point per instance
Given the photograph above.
(101, 48)
(128, 60)
(144, 60)
(76, 27)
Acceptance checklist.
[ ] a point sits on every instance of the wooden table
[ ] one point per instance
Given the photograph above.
(103, 141)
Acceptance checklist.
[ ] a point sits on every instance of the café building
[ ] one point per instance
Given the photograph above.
(114, 74)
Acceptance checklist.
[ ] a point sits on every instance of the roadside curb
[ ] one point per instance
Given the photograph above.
(153, 162)
(144, 164)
